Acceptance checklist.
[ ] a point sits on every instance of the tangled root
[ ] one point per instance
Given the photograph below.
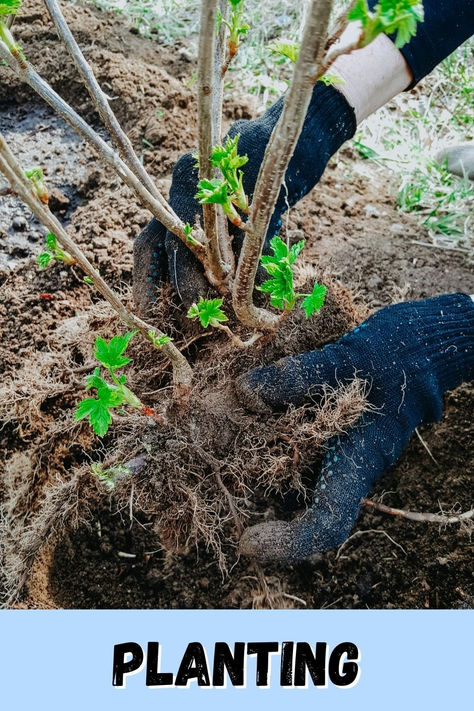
(207, 471)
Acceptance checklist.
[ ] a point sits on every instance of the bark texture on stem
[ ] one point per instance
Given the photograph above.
(101, 102)
(209, 123)
(9, 166)
(277, 157)
(225, 243)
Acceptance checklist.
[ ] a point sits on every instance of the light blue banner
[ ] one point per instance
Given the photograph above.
(62, 660)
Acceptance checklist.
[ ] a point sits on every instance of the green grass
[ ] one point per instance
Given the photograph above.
(403, 137)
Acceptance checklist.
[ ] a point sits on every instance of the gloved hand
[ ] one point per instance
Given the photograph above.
(410, 354)
(329, 122)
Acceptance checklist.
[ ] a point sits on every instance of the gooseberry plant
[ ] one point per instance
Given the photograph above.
(219, 189)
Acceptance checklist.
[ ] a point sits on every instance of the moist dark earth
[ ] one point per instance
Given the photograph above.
(355, 234)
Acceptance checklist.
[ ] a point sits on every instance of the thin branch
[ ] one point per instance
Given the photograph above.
(337, 52)
(165, 215)
(442, 518)
(101, 103)
(9, 166)
(358, 534)
(208, 126)
(339, 27)
(277, 156)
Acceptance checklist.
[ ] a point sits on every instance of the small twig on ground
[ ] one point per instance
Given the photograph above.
(425, 445)
(357, 534)
(440, 246)
(442, 518)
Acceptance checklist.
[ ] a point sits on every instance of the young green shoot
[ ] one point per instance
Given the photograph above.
(36, 175)
(236, 26)
(208, 311)
(113, 396)
(53, 252)
(159, 341)
(389, 16)
(280, 286)
(229, 162)
(216, 192)
(7, 9)
(289, 50)
(227, 191)
(331, 79)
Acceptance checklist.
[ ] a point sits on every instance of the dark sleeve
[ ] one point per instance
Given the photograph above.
(447, 24)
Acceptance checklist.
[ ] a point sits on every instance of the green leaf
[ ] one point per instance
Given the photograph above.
(279, 267)
(109, 476)
(208, 311)
(366, 151)
(295, 250)
(110, 354)
(313, 302)
(399, 17)
(51, 242)
(289, 50)
(97, 412)
(94, 380)
(280, 288)
(34, 173)
(9, 7)
(88, 280)
(360, 11)
(226, 156)
(279, 248)
(212, 191)
(44, 259)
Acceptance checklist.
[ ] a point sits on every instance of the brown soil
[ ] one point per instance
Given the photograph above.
(49, 322)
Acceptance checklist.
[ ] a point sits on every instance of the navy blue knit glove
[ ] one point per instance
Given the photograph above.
(329, 122)
(410, 354)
